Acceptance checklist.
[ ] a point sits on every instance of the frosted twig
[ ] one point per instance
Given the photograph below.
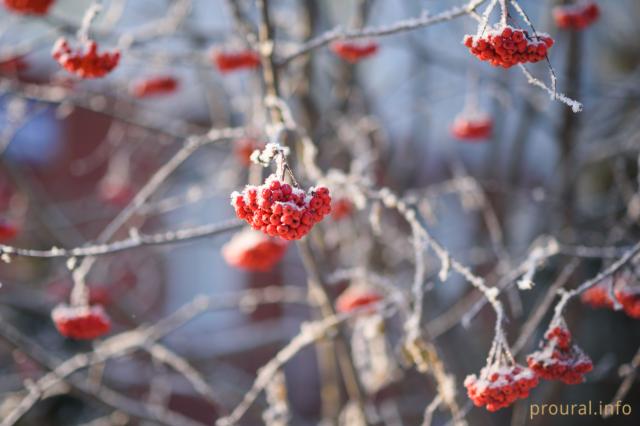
(401, 26)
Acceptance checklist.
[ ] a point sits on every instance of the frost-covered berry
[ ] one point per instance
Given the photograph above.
(472, 128)
(8, 230)
(81, 322)
(28, 7)
(87, 62)
(576, 16)
(506, 46)
(357, 296)
(279, 210)
(498, 385)
(558, 359)
(354, 52)
(154, 86)
(233, 61)
(254, 251)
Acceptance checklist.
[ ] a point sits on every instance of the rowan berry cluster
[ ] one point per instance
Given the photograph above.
(355, 297)
(29, 7)
(353, 51)
(506, 46)
(234, 61)
(341, 208)
(625, 292)
(577, 16)
(279, 210)
(254, 251)
(87, 63)
(154, 86)
(500, 385)
(472, 128)
(81, 322)
(558, 359)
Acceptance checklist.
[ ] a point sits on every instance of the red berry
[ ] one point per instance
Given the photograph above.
(253, 251)
(279, 209)
(81, 322)
(558, 359)
(85, 64)
(472, 128)
(234, 61)
(28, 7)
(356, 296)
(498, 386)
(354, 52)
(154, 86)
(576, 16)
(504, 46)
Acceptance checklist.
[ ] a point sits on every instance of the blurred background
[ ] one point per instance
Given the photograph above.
(74, 152)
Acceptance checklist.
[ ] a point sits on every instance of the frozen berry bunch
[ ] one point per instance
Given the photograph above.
(87, 63)
(28, 7)
(576, 16)
(558, 359)
(500, 385)
(507, 46)
(472, 128)
(254, 251)
(354, 51)
(234, 61)
(154, 86)
(355, 297)
(629, 298)
(81, 322)
(279, 210)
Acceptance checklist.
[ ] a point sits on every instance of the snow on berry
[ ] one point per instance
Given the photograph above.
(28, 7)
(576, 16)
(472, 127)
(279, 210)
(254, 251)
(154, 86)
(499, 385)
(233, 61)
(558, 359)
(81, 322)
(507, 46)
(354, 51)
(357, 296)
(85, 63)
(8, 230)
(341, 208)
